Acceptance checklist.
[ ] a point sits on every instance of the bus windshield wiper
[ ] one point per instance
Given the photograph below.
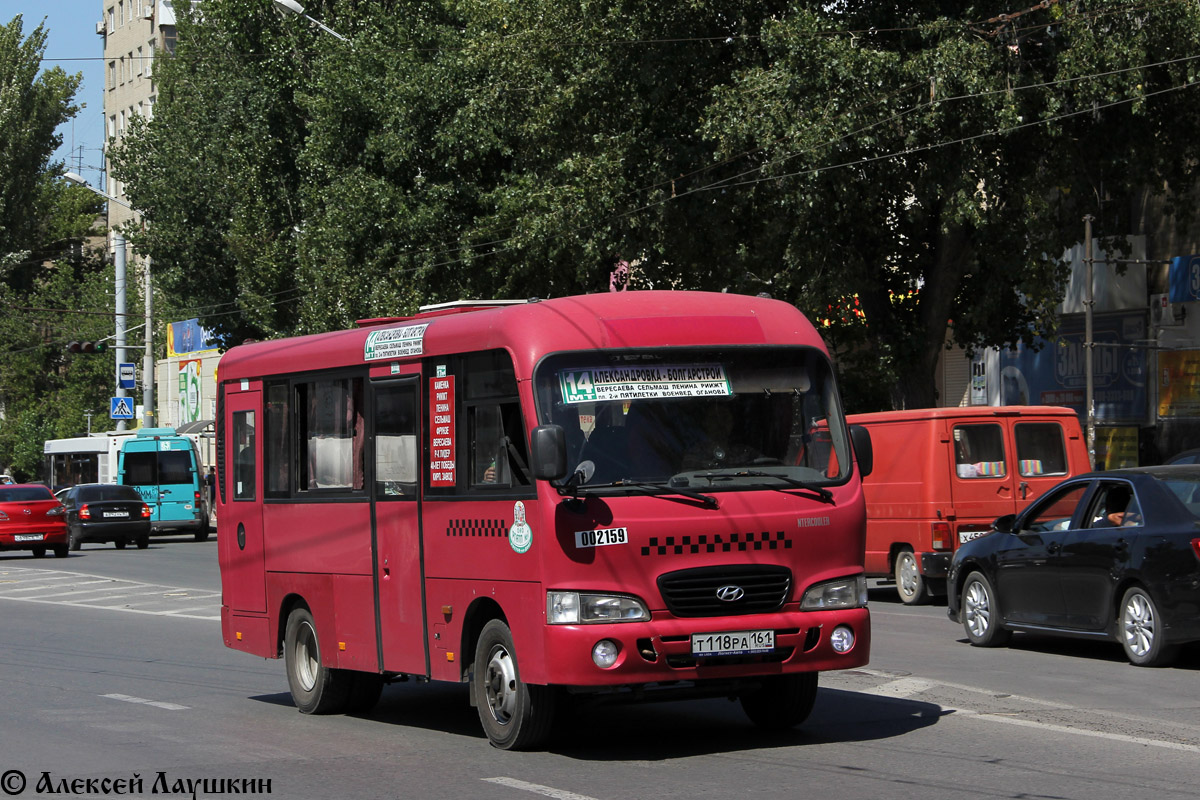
(820, 491)
(658, 489)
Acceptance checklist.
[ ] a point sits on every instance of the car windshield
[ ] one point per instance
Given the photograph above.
(24, 494)
(732, 418)
(96, 494)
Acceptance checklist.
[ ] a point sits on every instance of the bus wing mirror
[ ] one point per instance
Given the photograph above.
(548, 447)
(860, 437)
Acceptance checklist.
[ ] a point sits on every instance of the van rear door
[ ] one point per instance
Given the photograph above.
(984, 482)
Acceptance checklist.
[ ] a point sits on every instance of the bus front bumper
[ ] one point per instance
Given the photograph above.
(661, 650)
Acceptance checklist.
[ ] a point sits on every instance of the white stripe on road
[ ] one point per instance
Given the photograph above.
(126, 698)
(62, 585)
(1046, 726)
(536, 788)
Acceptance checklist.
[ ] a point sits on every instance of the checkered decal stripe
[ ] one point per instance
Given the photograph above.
(477, 527)
(717, 543)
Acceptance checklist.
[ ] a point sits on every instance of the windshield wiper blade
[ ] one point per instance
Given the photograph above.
(819, 491)
(656, 489)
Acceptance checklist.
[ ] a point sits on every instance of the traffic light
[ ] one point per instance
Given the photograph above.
(87, 347)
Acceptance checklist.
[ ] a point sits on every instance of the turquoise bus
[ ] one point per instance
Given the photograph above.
(164, 466)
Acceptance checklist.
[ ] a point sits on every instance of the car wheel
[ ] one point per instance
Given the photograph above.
(316, 688)
(76, 539)
(981, 614)
(60, 551)
(143, 542)
(39, 552)
(119, 544)
(515, 715)
(1142, 632)
(782, 702)
(910, 583)
(202, 534)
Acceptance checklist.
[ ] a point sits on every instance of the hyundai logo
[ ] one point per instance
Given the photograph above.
(730, 594)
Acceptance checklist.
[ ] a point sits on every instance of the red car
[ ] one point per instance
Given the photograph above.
(32, 519)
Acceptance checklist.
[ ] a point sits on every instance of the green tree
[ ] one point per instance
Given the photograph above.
(47, 271)
(924, 163)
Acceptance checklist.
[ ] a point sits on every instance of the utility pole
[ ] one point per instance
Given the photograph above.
(1089, 402)
(119, 339)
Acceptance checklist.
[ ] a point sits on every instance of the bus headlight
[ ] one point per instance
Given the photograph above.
(842, 593)
(573, 608)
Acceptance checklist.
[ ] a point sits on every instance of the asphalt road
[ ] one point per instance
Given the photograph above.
(112, 666)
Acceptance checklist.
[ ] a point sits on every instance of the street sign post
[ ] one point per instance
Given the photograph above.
(126, 375)
(121, 408)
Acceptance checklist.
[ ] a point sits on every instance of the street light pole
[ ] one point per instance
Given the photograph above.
(119, 345)
(1088, 345)
(295, 8)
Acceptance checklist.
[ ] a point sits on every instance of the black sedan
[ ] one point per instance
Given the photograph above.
(106, 512)
(1107, 555)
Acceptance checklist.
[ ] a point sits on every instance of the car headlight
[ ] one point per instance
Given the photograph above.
(842, 593)
(573, 608)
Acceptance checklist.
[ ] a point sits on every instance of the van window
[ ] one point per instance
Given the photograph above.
(159, 466)
(1040, 449)
(979, 451)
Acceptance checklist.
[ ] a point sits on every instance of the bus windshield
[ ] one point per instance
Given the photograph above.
(730, 418)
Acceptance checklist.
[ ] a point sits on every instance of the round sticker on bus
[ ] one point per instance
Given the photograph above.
(520, 535)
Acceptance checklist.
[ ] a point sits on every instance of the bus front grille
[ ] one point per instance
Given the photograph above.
(726, 590)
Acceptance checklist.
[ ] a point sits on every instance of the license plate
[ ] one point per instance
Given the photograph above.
(966, 536)
(28, 537)
(732, 643)
(120, 514)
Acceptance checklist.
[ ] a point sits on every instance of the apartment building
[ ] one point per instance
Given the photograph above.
(135, 32)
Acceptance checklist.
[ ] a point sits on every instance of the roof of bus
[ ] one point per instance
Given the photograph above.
(612, 320)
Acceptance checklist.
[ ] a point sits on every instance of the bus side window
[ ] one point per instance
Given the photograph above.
(396, 442)
(275, 446)
(499, 454)
(243, 458)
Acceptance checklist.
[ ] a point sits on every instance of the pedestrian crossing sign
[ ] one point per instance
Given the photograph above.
(121, 408)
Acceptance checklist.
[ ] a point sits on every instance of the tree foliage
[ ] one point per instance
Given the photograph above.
(53, 287)
(923, 163)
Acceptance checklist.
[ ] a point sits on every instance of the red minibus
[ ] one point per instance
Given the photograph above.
(625, 495)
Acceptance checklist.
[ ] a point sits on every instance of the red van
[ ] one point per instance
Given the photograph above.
(942, 475)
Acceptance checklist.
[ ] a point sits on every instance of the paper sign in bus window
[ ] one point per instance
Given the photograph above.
(591, 384)
(441, 429)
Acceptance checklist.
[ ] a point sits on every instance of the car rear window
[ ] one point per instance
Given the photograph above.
(24, 494)
(96, 494)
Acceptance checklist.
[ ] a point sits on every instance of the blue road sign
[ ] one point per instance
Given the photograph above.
(126, 375)
(122, 408)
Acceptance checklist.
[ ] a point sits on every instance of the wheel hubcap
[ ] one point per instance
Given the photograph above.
(500, 685)
(1138, 625)
(977, 609)
(307, 658)
(908, 574)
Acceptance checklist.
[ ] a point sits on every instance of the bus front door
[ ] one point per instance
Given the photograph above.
(399, 582)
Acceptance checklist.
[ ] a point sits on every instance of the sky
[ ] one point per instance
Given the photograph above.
(73, 45)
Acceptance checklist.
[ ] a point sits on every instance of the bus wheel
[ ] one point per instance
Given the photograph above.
(782, 702)
(365, 688)
(515, 715)
(316, 689)
(910, 583)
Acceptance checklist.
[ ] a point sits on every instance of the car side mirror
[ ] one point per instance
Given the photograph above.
(1006, 524)
(860, 437)
(548, 447)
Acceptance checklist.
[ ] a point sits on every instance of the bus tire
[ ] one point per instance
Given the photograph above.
(365, 689)
(782, 702)
(315, 687)
(515, 715)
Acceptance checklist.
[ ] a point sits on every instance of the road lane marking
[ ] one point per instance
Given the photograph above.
(50, 587)
(537, 788)
(127, 698)
(1047, 726)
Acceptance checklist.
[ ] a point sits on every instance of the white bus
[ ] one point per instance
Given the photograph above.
(83, 459)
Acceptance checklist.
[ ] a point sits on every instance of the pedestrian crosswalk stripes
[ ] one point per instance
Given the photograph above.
(113, 594)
